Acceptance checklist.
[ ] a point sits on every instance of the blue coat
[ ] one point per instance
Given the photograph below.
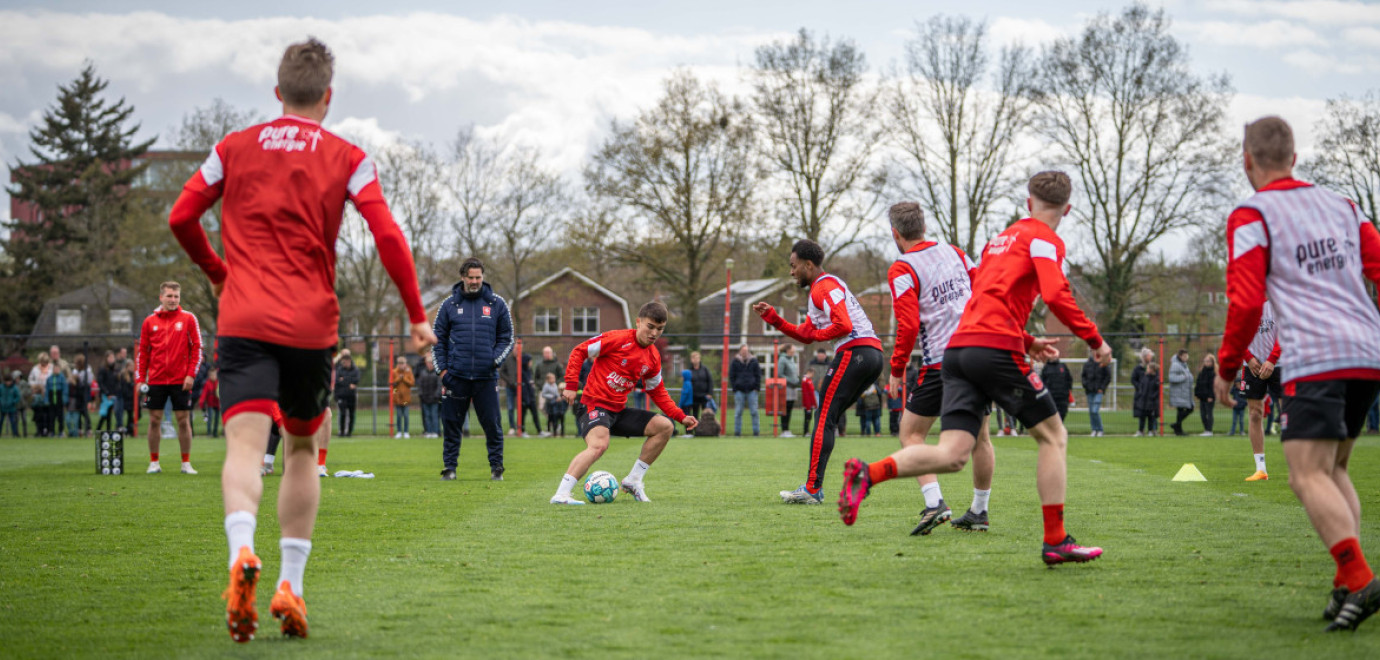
(474, 334)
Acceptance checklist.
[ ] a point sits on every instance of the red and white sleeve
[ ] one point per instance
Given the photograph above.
(1248, 256)
(906, 303)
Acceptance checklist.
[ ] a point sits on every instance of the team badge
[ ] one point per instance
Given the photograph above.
(1035, 381)
(594, 414)
(155, 328)
(644, 369)
(177, 326)
(487, 310)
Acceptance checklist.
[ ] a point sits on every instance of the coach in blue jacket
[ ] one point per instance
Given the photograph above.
(474, 334)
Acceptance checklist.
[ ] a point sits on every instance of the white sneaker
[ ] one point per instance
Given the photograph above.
(1138, 434)
(321, 471)
(545, 434)
(187, 469)
(1205, 434)
(407, 435)
(636, 489)
(397, 436)
(565, 499)
(687, 435)
(787, 434)
(155, 468)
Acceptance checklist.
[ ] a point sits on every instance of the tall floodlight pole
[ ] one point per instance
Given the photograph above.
(723, 376)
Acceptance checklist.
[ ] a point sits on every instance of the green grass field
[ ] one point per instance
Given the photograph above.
(408, 566)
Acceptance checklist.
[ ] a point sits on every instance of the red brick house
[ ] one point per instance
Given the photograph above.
(564, 310)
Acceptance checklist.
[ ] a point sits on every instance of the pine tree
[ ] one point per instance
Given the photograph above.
(83, 168)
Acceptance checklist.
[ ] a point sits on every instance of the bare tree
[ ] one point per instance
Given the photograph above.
(530, 210)
(408, 175)
(959, 140)
(1349, 151)
(682, 177)
(1143, 135)
(474, 182)
(819, 132)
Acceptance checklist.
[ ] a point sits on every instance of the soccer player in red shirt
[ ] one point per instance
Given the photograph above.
(622, 359)
(167, 358)
(1311, 251)
(833, 314)
(284, 186)
(930, 285)
(985, 363)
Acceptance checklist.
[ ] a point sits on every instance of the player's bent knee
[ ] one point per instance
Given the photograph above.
(660, 426)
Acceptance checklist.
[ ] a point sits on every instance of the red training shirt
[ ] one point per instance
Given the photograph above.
(169, 348)
(1021, 263)
(285, 184)
(620, 363)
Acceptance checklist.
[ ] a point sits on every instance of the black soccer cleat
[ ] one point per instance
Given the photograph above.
(448, 474)
(972, 522)
(1334, 603)
(1357, 607)
(932, 517)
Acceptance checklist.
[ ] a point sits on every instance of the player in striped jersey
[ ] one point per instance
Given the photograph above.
(1260, 377)
(1310, 251)
(930, 284)
(985, 363)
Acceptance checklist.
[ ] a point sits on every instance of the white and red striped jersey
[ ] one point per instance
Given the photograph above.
(930, 285)
(1265, 346)
(833, 314)
(1310, 251)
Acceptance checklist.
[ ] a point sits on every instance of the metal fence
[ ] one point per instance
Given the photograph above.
(374, 355)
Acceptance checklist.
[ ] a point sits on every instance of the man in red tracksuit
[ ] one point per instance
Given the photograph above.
(169, 355)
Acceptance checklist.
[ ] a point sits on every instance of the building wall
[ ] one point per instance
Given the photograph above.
(565, 293)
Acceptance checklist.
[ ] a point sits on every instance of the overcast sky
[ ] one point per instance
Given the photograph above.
(552, 73)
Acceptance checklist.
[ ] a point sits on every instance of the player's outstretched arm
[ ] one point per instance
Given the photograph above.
(1055, 291)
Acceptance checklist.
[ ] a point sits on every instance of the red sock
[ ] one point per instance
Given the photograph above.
(321, 456)
(1352, 570)
(1054, 523)
(882, 470)
(186, 458)
(153, 457)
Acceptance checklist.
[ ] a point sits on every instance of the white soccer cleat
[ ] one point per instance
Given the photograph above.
(187, 469)
(155, 468)
(637, 489)
(321, 471)
(565, 499)
(266, 470)
(801, 495)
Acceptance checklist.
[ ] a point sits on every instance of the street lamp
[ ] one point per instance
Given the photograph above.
(723, 376)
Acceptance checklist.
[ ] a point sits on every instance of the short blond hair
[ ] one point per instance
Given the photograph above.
(169, 285)
(305, 73)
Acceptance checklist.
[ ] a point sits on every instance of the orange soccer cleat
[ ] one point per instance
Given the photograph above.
(240, 615)
(1258, 476)
(291, 610)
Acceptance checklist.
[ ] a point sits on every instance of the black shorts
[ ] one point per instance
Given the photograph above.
(976, 377)
(158, 395)
(626, 423)
(1255, 388)
(1325, 409)
(927, 398)
(299, 379)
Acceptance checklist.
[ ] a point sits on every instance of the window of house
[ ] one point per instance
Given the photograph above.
(586, 320)
(68, 321)
(546, 321)
(121, 321)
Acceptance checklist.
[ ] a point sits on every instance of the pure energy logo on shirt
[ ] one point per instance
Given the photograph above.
(284, 138)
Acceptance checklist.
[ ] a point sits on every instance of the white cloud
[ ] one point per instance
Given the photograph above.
(1265, 35)
(365, 132)
(1316, 12)
(1301, 113)
(1367, 37)
(1317, 63)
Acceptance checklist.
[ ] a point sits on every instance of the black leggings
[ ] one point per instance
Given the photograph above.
(854, 370)
(1205, 414)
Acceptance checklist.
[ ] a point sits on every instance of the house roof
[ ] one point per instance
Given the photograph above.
(746, 287)
(622, 302)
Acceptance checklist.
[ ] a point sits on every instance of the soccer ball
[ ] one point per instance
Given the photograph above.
(601, 488)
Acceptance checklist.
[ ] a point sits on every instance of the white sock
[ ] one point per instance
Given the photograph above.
(932, 494)
(567, 485)
(639, 469)
(239, 530)
(295, 553)
(268, 460)
(980, 500)
(1260, 462)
